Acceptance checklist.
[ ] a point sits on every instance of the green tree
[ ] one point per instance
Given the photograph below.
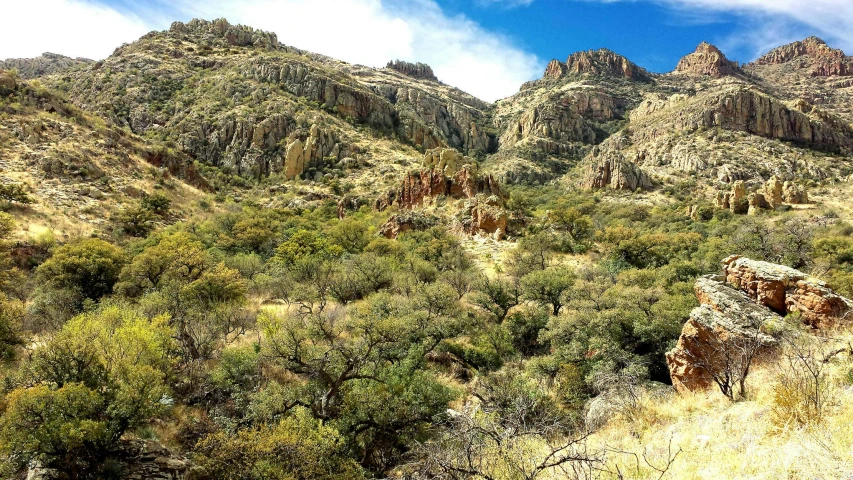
(548, 287)
(157, 203)
(89, 268)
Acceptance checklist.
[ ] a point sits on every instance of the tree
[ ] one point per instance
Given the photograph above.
(548, 287)
(516, 432)
(98, 377)
(136, 221)
(89, 268)
(59, 428)
(497, 296)
(11, 316)
(13, 193)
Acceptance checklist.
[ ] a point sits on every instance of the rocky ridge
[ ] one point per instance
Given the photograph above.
(45, 64)
(813, 55)
(417, 70)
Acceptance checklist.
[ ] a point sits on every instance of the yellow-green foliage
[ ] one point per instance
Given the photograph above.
(297, 448)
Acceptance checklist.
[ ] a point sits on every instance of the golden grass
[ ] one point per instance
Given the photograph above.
(719, 439)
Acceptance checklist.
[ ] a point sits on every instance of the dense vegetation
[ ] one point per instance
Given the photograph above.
(286, 343)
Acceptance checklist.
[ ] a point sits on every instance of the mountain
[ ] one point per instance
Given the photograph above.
(234, 98)
(46, 64)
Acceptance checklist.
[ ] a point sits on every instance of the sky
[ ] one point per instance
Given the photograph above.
(485, 47)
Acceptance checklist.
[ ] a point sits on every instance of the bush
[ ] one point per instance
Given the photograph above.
(157, 203)
(88, 268)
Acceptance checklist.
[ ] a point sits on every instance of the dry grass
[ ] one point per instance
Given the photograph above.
(719, 439)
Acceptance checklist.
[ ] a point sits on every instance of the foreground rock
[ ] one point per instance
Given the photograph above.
(737, 305)
(724, 313)
(786, 290)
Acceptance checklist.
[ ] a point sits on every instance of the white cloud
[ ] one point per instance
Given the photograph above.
(368, 32)
(76, 28)
(775, 22)
(372, 32)
(505, 3)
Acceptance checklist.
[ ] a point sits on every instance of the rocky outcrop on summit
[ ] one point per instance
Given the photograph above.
(707, 60)
(604, 62)
(724, 315)
(220, 30)
(418, 70)
(45, 64)
(812, 54)
(786, 290)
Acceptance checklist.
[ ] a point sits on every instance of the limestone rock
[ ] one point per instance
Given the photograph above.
(794, 194)
(757, 202)
(418, 70)
(785, 290)
(707, 60)
(294, 160)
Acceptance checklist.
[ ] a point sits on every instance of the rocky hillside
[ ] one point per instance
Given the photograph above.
(79, 173)
(235, 98)
(46, 64)
(709, 118)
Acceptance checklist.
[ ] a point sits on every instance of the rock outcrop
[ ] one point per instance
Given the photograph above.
(485, 218)
(420, 188)
(447, 161)
(604, 62)
(418, 70)
(405, 222)
(707, 60)
(794, 194)
(817, 57)
(724, 313)
(221, 30)
(737, 304)
(609, 169)
(757, 203)
(45, 64)
(786, 290)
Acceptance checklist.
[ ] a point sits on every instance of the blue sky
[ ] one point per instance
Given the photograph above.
(486, 47)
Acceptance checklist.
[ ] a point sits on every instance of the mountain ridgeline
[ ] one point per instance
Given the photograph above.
(234, 97)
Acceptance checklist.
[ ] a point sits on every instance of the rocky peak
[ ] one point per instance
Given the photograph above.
(45, 64)
(421, 71)
(220, 29)
(814, 54)
(597, 62)
(707, 60)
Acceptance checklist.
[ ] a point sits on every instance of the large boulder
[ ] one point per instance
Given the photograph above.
(786, 290)
(723, 313)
